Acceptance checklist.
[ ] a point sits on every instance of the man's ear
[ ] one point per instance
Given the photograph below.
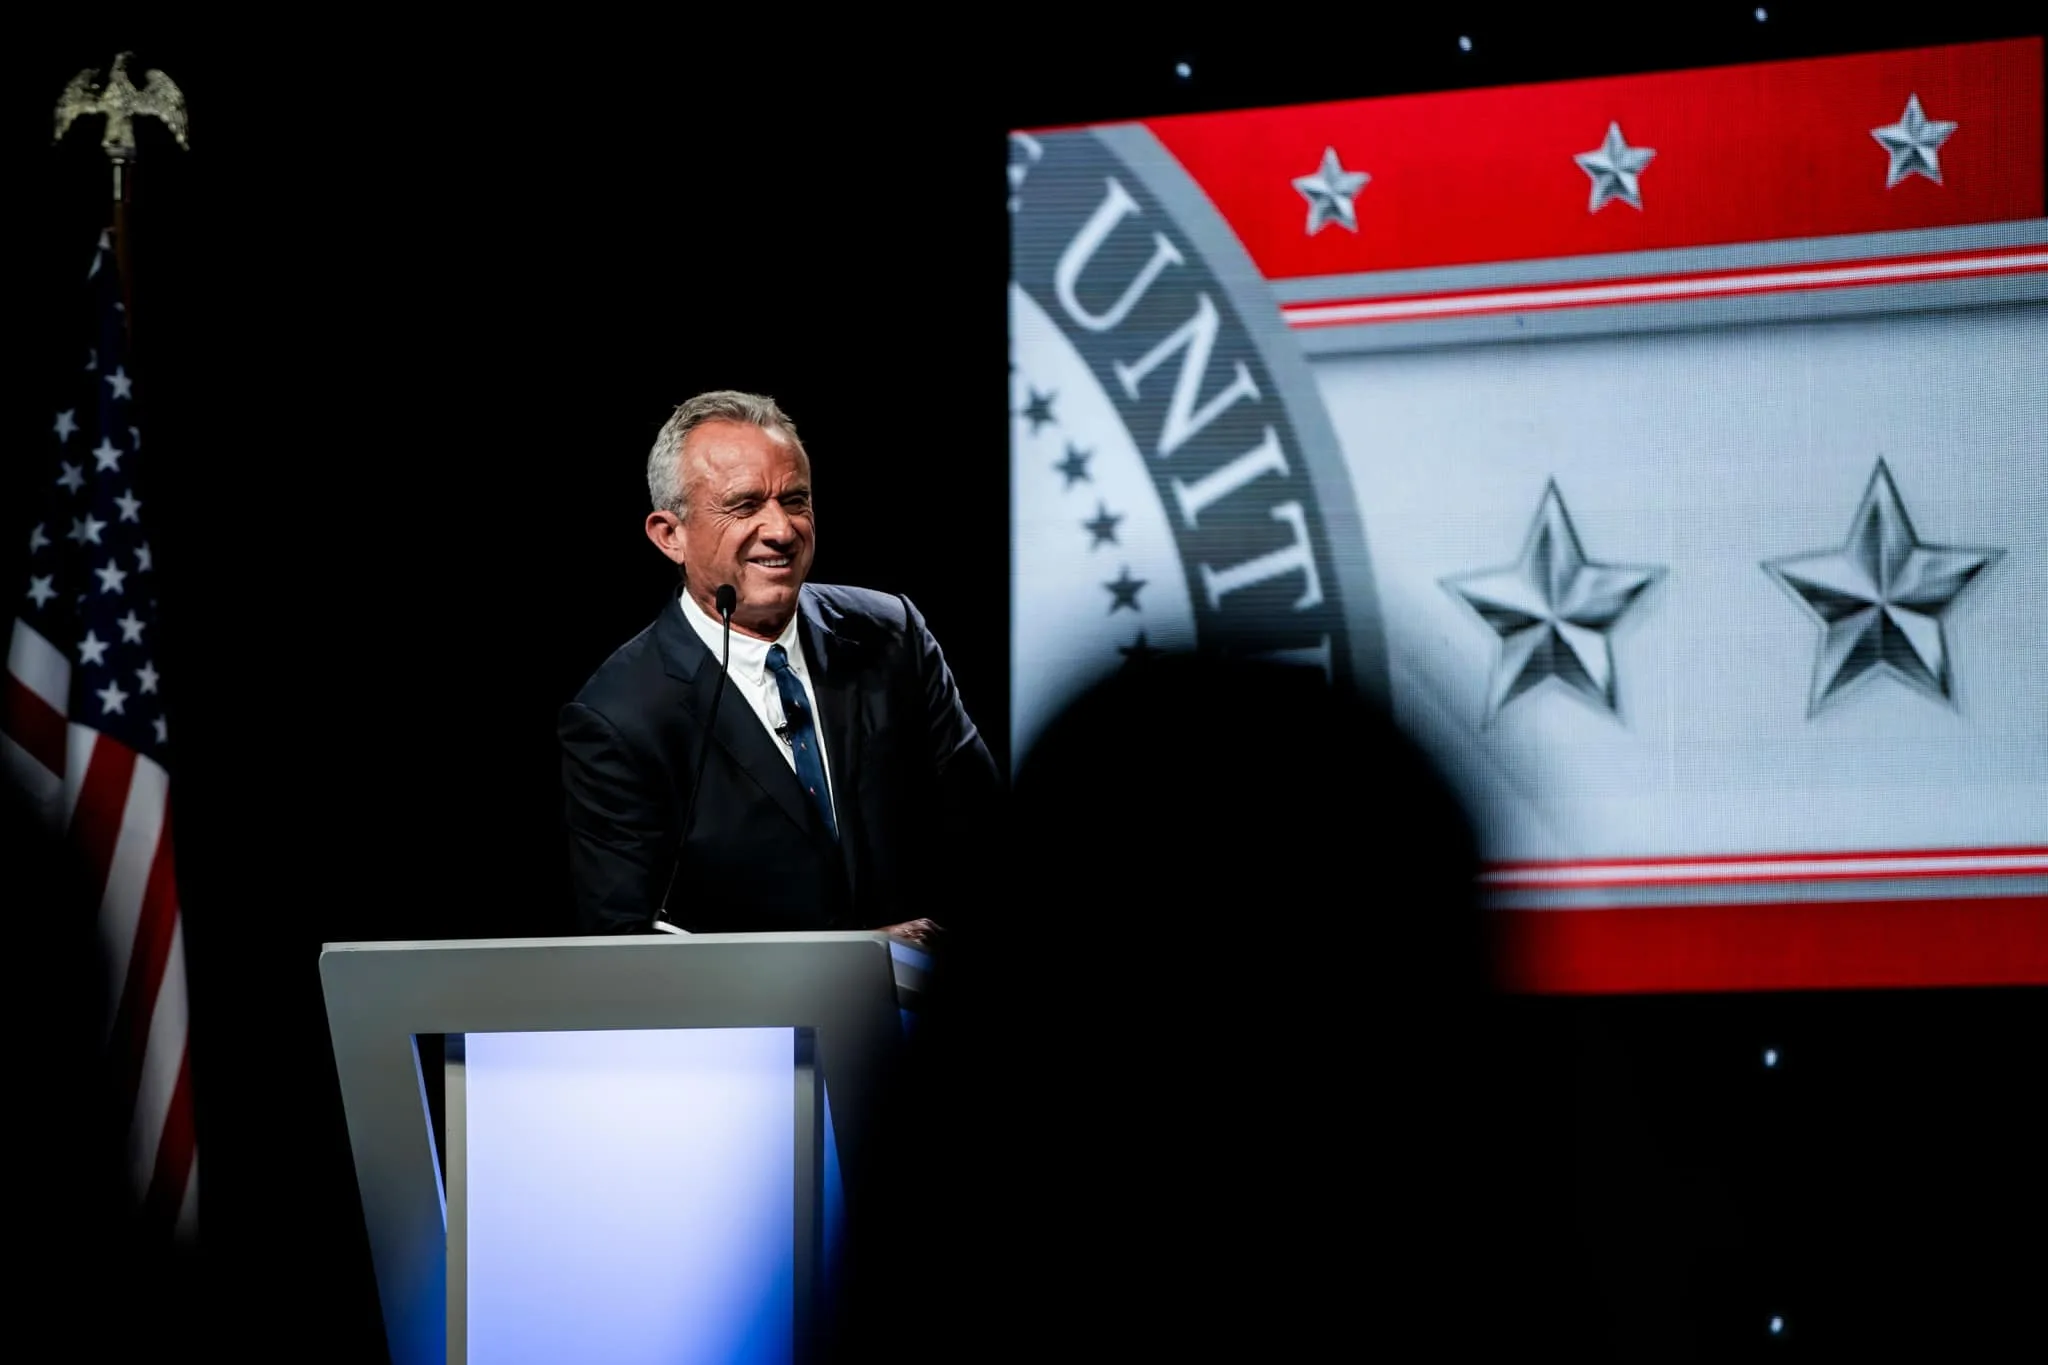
(665, 529)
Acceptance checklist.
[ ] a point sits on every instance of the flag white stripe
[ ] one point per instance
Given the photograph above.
(78, 749)
(41, 666)
(1772, 869)
(44, 787)
(188, 1209)
(161, 1059)
(142, 826)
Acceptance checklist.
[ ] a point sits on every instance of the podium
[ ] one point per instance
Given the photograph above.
(624, 1148)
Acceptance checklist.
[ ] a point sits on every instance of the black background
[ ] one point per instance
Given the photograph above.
(407, 318)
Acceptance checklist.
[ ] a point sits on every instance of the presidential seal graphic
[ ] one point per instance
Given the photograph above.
(1689, 515)
(1172, 470)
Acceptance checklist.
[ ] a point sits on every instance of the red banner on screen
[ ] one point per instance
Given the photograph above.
(1741, 154)
(1783, 945)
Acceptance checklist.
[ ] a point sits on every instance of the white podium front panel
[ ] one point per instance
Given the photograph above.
(630, 1196)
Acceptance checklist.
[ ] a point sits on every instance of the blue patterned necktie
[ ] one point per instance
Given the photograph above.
(802, 734)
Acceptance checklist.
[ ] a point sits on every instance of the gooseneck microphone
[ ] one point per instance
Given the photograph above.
(727, 598)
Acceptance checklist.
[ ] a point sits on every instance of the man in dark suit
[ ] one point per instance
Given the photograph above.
(843, 782)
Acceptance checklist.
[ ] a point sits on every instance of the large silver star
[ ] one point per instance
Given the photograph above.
(1329, 192)
(1615, 167)
(1880, 598)
(1553, 609)
(1914, 143)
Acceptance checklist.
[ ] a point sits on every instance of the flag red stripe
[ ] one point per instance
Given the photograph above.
(96, 823)
(34, 724)
(155, 927)
(173, 1152)
(1803, 945)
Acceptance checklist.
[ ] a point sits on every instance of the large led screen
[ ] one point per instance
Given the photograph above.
(1669, 451)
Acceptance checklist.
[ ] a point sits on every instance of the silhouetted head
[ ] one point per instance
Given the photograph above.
(1217, 1056)
(1194, 794)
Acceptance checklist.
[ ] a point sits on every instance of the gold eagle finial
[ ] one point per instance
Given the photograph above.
(122, 101)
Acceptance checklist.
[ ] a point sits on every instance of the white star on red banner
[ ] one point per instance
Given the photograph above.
(1914, 143)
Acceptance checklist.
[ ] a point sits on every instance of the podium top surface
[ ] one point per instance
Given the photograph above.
(610, 981)
(595, 942)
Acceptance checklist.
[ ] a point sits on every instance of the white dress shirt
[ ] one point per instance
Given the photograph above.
(748, 676)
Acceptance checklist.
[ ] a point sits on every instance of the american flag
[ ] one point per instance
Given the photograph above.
(83, 731)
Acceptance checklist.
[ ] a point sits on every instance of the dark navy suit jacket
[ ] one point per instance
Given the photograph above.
(916, 794)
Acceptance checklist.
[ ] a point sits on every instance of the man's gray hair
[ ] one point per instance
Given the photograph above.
(665, 483)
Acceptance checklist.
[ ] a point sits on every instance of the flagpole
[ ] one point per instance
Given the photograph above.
(122, 184)
(121, 101)
(89, 627)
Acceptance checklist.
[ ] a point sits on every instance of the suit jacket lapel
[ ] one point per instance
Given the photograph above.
(835, 675)
(736, 729)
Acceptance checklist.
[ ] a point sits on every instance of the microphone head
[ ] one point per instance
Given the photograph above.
(728, 598)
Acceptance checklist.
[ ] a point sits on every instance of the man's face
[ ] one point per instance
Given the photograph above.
(748, 522)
